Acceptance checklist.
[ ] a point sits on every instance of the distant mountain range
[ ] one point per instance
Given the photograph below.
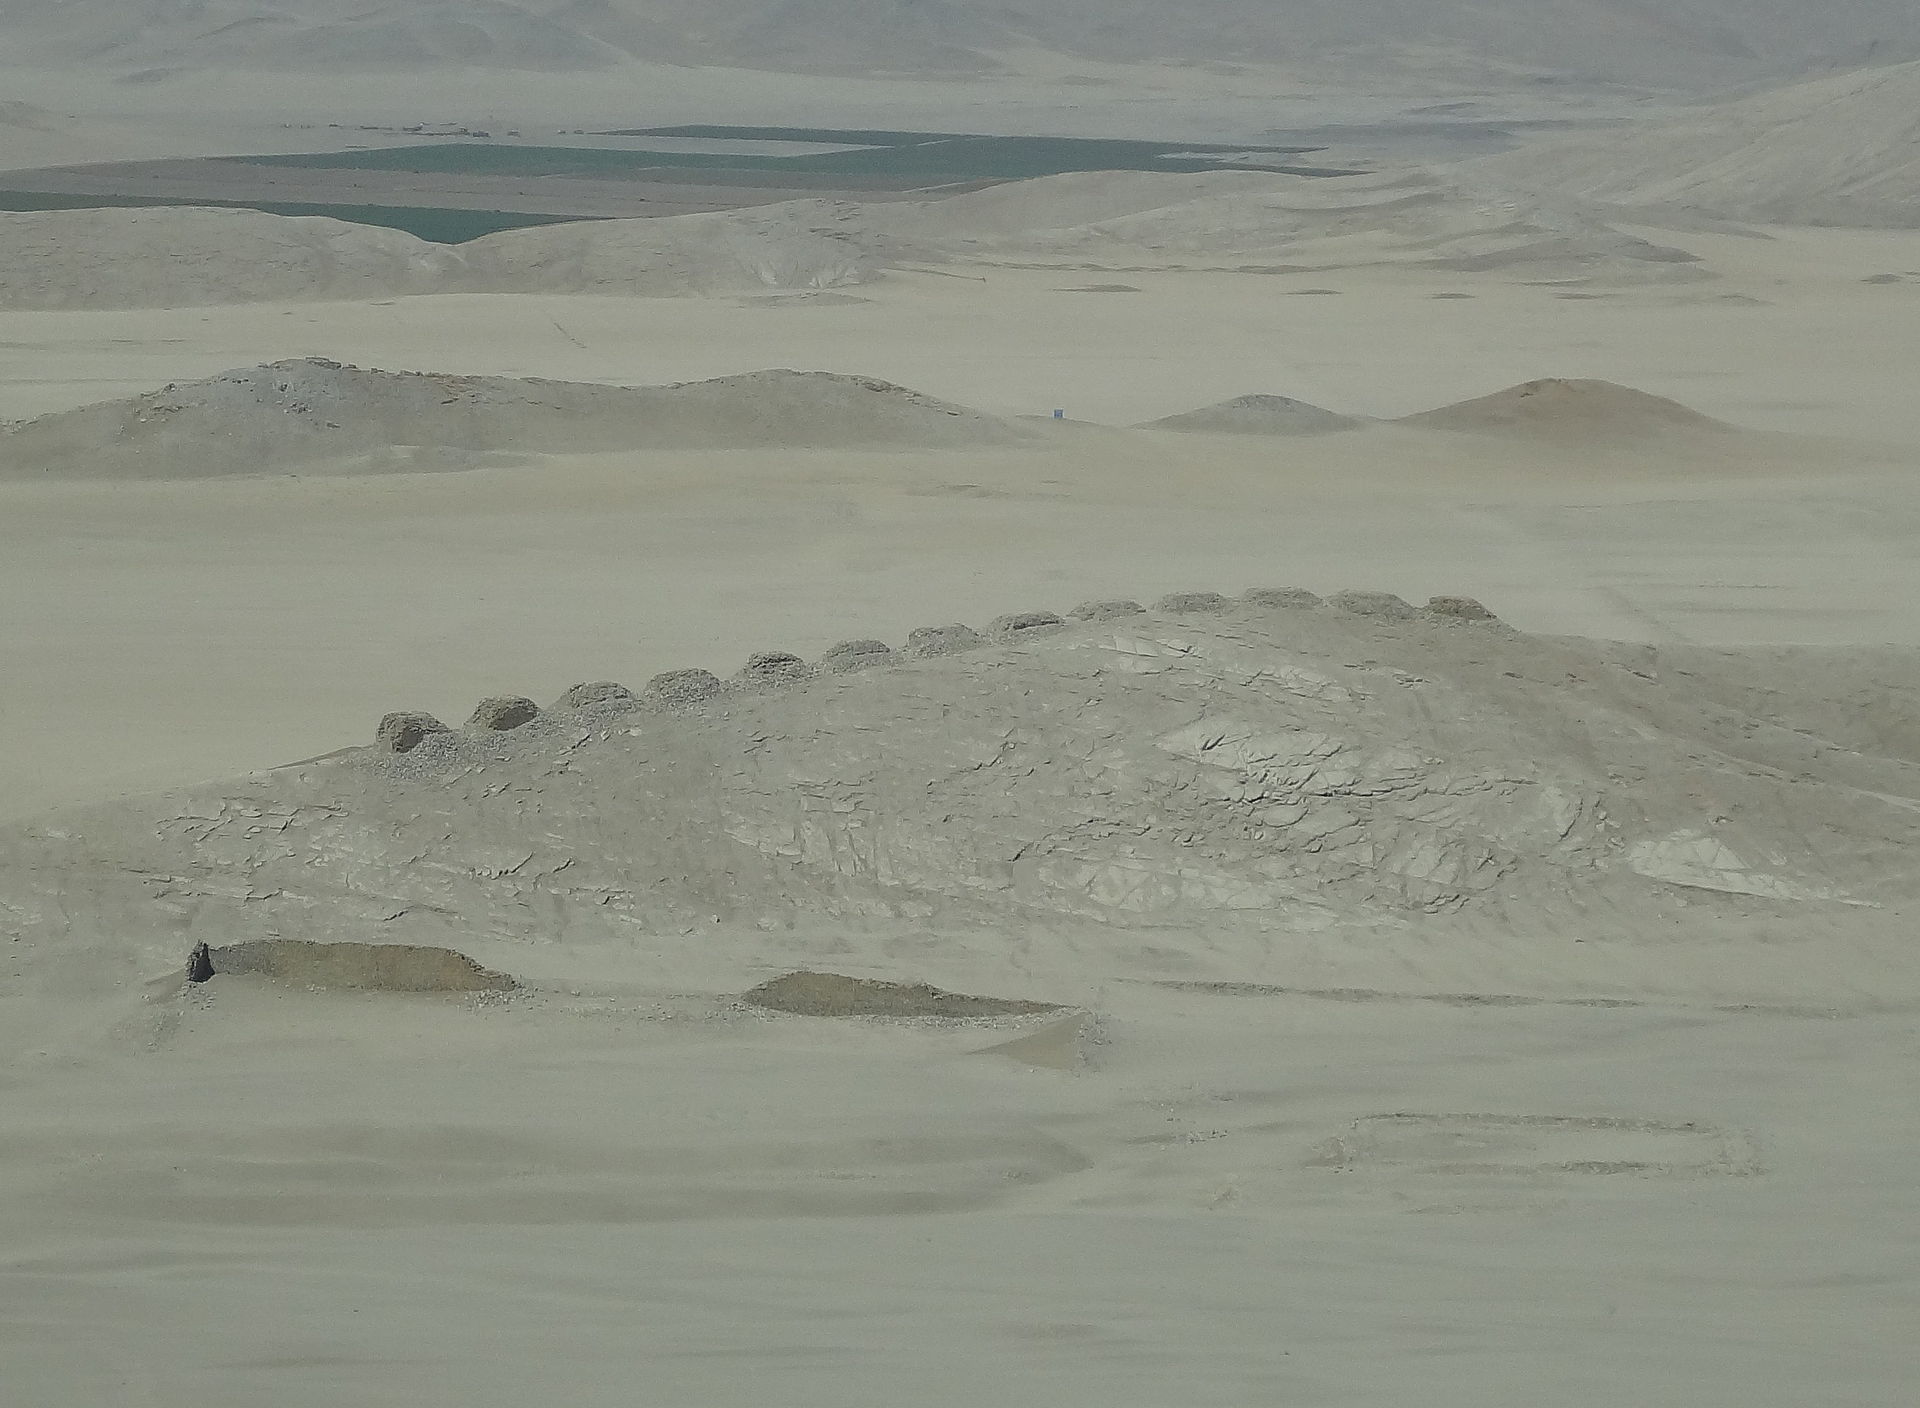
(1679, 43)
(1840, 149)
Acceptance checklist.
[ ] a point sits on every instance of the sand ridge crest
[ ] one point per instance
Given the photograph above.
(1561, 408)
(1837, 149)
(1258, 414)
(171, 256)
(1407, 217)
(313, 413)
(183, 255)
(317, 415)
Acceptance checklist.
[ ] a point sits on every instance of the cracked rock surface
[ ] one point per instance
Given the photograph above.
(1273, 772)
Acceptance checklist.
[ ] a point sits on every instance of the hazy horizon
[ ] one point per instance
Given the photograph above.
(1685, 43)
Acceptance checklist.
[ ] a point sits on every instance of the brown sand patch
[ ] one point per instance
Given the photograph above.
(1259, 414)
(1592, 411)
(811, 994)
(371, 967)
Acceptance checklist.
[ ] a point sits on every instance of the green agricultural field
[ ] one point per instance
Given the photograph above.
(880, 162)
(901, 159)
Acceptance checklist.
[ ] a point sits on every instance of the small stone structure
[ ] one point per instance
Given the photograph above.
(943, 640)
(1190, 603)
(1282, 598)
(1024, 625)
(1461, 608)
(595, 692)
(1106, 610)
(772, 667)
(683, 686)
(500, 713)
(857, 655)
(406, 730)
(1372, 604)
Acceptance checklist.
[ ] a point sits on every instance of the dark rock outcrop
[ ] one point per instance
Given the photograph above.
(1024, 625)
(406, 730)
(857, 655)
(500, 713)
(683, 686)
(1461, 608)
(597, 693)
(1373, 604)
(1282, 598)
(772, 667)
(1107, 610)
(1190, 603)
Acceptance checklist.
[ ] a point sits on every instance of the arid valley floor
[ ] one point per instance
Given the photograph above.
(1392, 1003)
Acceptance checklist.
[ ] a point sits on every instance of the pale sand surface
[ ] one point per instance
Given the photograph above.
(1789, 338)
(1836, 149)
(1589, 1131)
(168, 632)
(303, 1200)
(621, 1187)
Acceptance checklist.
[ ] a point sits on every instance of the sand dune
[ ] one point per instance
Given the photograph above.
(1017, 212)
(1590, 412)
(787, 246)
(1414, 218)
(14, 113)
(1843, 149)
(1258, 415)
(175, 256)
(313, 414)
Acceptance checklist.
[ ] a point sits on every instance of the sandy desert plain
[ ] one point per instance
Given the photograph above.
(1372, 1001)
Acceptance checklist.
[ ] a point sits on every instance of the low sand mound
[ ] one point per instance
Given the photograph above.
(1584, 410)
(312, 415)
(1842, 149)
(173, 257)
(789, 246)
(377, 967)
(1251, 770)
(835, 995)
(1066, 207)
(1238, 219)
(1258, 415)
(182, 256)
